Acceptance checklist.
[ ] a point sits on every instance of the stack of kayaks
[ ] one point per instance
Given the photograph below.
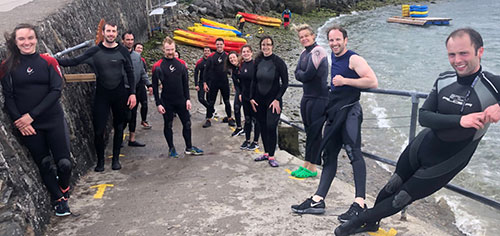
(205, 34)
(419, 11)
(201, 40)
(261, 20)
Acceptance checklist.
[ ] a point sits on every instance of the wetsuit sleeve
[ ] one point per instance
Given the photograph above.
(253, 83)
(283, 73)
(129, 69)
(8, 93)
(83, 58)
(156, 82)
(236, 82)
(431, 118)
(145, 78)
(185, 83)
(197, 73)
(206, 71)
(55, 85)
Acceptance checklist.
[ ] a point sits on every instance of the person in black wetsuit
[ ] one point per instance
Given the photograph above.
(242, 79)
(267, 89)
(349, 73)
(457, 114)
(143, 98)
(32, 85)
(215, 79)
(198, 77)
(312, 71)
(114, 89)
(141, 81)
(232, 65)
(173, 76)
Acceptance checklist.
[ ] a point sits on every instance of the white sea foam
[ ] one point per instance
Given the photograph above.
(465, 222)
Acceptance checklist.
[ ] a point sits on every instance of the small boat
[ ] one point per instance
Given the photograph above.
(217, 32)
(201, 44)
(261, 20)
(238, 33)
(216, 24)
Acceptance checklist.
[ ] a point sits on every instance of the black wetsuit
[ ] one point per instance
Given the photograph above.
(141, 81)
(444, 148)
(312, 71)
(142, 94)
(216, 79)
(242, 80)
(198, 73)
(34, 87)
(114, 84)
(172, 74)
(343, 127)
(269, 84)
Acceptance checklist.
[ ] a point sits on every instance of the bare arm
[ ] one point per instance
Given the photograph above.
(367, 79)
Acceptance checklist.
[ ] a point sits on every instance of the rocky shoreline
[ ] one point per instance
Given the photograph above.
(288, 47)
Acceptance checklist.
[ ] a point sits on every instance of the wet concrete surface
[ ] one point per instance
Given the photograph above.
(224, 192)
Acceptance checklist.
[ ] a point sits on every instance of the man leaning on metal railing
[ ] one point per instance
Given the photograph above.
(457, 114)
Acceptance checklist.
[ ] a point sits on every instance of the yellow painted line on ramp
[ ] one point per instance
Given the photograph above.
(100, 190)
(111, 156)
(257, 151)
(382, 232)
(125, 135)
(291, 177)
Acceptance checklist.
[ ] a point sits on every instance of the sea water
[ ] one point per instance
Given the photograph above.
(407, 57)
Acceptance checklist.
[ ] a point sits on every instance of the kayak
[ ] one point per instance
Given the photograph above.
(210, 31)
(216, 24)
(263, 23)
(238, 33)
(260, 18)
(200, 44)
(228, 41)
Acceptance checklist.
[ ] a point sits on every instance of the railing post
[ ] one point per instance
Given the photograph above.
(413, 128)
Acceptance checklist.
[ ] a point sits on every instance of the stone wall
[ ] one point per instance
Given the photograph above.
(24, 201)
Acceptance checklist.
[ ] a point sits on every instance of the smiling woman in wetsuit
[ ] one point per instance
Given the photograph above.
(267, 89)
(32, 85)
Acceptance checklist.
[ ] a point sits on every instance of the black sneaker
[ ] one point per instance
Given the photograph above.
(309, 207)
(231, 122)
(253, 146)
(225, 120)
(61, 207)
(136, 144)
(354, 227)
(244, 145)
(207, 124)
(237, 132)
(354, 210)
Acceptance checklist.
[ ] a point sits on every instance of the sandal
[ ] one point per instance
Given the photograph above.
(306, 173)
(295, 172)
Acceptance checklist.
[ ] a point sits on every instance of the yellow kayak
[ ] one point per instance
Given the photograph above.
(217, 24)
(206, 30)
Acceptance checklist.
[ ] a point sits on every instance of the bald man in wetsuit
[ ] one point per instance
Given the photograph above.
(460, 107)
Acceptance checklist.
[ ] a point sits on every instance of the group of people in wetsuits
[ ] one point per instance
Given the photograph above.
(457, 113)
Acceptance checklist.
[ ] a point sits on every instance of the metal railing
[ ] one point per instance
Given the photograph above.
(415, 97)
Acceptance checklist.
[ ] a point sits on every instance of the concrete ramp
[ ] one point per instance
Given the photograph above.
(223, 192)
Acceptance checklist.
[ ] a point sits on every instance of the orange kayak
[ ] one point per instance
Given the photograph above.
(200, 44)
(263, 23)
(260, 18)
